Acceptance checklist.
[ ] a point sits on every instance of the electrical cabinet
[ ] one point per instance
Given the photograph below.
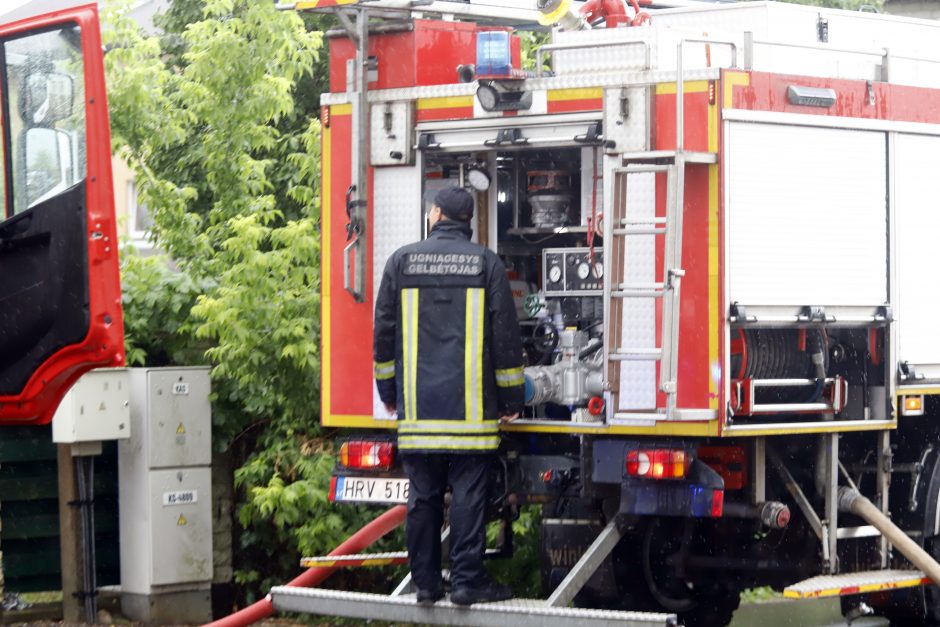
(166, 496)
(97, 408)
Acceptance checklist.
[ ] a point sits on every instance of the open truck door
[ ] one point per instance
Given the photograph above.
(60, 296)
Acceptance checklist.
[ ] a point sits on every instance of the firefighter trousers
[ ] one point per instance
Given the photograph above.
(468, 477)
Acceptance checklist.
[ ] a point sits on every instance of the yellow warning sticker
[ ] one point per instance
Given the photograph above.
(181, 521)
(180, 430)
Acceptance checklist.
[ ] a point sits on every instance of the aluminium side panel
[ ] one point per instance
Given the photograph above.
(639, 326)
(807, 213)
(398, 215)
(917, 209)
(179, 417)
(180, 502)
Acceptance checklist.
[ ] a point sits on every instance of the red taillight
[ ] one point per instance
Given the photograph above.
(332, 489)
(658, 463)
(718, 504)
(367, 455)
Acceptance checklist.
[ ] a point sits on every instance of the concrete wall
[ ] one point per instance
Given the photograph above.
(928, 9)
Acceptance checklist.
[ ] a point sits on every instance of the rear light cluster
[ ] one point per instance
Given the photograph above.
(367, 455)
(658, 463)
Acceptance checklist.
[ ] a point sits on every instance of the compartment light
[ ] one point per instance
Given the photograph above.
(912, 405)
(811, 96)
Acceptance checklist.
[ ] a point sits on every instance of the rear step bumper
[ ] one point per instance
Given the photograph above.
(522, 612)
(855, 583)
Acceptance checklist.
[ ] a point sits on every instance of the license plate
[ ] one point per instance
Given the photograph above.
(369, 490)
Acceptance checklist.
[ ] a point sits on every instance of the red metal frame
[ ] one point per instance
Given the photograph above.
(104, 344)
(427, 55)
(694, 371)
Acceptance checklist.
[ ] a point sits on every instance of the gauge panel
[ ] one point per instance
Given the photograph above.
(570, 271)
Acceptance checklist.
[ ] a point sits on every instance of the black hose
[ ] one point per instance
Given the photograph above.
(84, 479)
(546, 349)
(816, 347)
(590, 350)
(92, 561)
(83, 526)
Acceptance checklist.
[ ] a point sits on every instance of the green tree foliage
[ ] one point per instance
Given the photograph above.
(851, 5)
(218, 120)
(157, 303)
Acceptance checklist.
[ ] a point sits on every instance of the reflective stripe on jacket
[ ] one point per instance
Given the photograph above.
(447, 347)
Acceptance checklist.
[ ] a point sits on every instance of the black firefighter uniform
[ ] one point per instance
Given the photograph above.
(447, 345)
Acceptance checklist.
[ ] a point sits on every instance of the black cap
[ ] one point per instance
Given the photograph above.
(456, 203)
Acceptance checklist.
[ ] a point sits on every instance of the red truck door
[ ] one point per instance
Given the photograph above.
(60, 295)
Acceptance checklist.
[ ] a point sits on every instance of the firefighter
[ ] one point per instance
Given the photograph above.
(448, 361)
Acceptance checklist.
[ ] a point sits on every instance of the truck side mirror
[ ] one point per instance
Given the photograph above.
(49, 166)
(49, 98)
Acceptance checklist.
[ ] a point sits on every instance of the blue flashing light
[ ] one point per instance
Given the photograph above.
(494, 57)
(701, 498)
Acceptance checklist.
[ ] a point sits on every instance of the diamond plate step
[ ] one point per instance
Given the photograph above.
(364, 559)
(522, 612)
(354, 561)
(855, 583)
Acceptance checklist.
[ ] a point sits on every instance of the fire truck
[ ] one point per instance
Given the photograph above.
(720, 223)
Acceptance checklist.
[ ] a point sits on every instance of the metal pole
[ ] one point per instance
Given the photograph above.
(362, 167)
(589, 562)
(884, 482)
(831, 441)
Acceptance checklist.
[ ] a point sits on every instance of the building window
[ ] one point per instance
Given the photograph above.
(139, 220)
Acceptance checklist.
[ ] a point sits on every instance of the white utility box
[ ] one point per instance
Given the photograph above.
(165, 491)
(95, 409)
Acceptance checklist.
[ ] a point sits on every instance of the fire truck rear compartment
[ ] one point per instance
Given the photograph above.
(545, 200)
(542, 210)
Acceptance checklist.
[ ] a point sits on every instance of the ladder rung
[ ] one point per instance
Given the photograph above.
(667, 156)
(365, 559)
(640, 231)
(641, 221)
(355, 561)
(638, 294)
(637, 354)
(640, 286)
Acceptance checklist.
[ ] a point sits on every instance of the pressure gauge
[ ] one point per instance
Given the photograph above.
(583, 270)
(598, 270)
(554, 274)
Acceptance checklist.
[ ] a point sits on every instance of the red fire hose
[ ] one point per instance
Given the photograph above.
(313, 576)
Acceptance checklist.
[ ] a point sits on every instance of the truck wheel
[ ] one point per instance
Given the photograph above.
(649, 567)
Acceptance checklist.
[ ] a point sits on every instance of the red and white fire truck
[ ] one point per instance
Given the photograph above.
(721, 225)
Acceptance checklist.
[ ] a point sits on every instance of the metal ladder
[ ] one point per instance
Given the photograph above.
(618, 228)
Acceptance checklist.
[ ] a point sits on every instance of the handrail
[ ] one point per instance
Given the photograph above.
(680, 85)
(884, 53)
(598, 44)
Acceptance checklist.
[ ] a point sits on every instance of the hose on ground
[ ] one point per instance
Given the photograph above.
(851, 501)
(356, 543)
